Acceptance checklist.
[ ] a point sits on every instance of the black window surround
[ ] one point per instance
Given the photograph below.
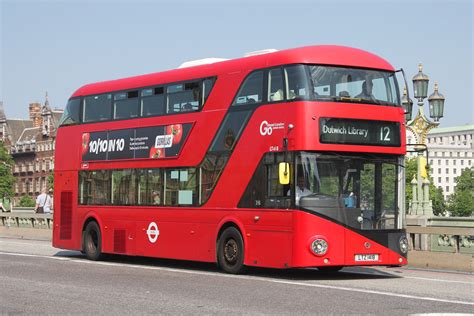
(206, 84)
(235, 107)
(122, 187)
(203, 85)
(288, 96)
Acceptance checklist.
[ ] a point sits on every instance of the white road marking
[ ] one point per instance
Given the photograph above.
(411, 277)
(438, 280)
(243, 277)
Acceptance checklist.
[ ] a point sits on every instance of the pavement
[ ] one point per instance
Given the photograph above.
(26, 233)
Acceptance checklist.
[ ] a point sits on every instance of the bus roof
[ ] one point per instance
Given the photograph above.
(324, 54)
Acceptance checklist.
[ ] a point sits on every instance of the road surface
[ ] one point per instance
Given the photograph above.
(38, 279)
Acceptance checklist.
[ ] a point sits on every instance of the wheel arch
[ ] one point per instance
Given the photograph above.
(90, 217)
(223, 225)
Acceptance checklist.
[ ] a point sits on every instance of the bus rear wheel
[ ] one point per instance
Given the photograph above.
(93, 242)
(230, 251)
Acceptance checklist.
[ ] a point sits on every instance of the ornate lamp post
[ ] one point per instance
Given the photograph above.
(420, 126)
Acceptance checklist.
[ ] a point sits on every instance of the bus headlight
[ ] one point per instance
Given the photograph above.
(403, 244)
(319, 247)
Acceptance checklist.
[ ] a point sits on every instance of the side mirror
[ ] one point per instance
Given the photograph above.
(284, 172)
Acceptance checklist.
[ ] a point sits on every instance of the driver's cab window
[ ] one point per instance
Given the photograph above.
(305, 182)
(277, 194)
(359, 191)
(327, 181)
(367, 189)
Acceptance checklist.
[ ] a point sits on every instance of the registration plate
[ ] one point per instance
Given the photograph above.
(367, 257)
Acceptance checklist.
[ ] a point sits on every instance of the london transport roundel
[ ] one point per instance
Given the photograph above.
(152, 232)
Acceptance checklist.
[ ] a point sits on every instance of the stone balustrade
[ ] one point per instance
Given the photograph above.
(458, 242)
(445, 234)
(26, 218)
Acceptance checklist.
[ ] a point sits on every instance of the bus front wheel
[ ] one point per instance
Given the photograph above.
(230, 251)
(93, 242)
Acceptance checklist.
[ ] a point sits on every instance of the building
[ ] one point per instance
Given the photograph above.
(451, 149)
(31, 144)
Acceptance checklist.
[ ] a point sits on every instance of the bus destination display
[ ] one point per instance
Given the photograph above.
(359, 132)
(134, 143)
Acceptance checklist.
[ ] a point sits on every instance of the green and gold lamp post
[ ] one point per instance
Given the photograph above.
(420, 126)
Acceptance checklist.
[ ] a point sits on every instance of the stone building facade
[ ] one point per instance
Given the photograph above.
(31, 143)
(450, 150)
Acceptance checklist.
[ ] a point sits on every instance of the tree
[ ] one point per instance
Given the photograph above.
(51, 181)
(437, 199)
(410, 171)
(27, 201)
(465, 181)
(6, 175)
(436, 194)
(461, 202)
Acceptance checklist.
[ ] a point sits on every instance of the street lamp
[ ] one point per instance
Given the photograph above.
(420, 84)
(420, 88)
(420, 126)
(436, 101)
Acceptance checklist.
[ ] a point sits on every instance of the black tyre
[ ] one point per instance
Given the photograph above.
(92, 244)
(330, 269)
(230, 251)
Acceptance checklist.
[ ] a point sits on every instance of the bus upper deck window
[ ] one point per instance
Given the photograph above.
(71, 113)
(207, 85)
(153, 101)
(345, 84)
(297, 82)
(275, 85)
(126, 105)
(251, 90)
(184, 97)
(97, 108)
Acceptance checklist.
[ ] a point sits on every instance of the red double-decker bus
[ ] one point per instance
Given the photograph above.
(283, 159)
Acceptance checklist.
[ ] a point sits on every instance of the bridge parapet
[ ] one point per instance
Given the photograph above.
(441, 234)
(26, 219)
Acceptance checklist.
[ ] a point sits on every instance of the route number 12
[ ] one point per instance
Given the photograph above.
(385, 134)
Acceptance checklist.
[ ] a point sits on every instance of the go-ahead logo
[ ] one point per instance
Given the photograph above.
(268, 128)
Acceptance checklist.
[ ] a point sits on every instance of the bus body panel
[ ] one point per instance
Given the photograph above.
(252, 144)
(64, 219)
(343, 243)
(306, 228)
(187, 234)
(277, 238)
(324, 54)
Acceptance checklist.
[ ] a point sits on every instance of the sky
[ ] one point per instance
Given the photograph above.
(58, 46)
